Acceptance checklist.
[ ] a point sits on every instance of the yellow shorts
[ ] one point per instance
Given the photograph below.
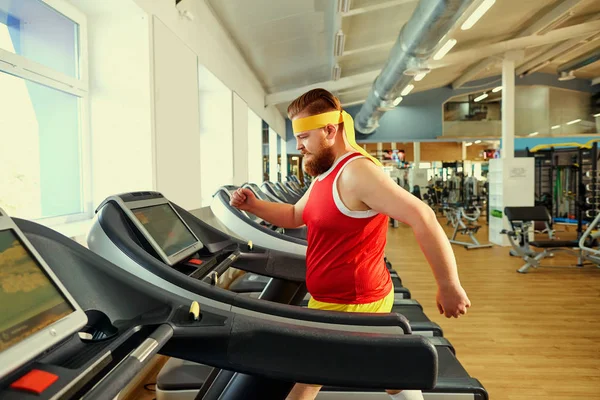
(380, 306)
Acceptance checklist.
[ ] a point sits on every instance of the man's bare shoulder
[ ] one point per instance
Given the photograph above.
(358, 171)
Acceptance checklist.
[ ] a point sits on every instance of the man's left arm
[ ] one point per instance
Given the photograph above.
(366, 182)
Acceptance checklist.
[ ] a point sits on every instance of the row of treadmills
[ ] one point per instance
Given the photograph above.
(152, 282)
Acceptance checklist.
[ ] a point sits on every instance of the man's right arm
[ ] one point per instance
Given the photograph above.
(279, 214)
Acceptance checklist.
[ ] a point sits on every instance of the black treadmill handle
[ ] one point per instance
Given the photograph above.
(123, 373)
(226, 263)
(299, 353)
(295, 313)
(273, 264)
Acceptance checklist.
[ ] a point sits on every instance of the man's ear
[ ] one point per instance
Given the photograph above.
(331, 130)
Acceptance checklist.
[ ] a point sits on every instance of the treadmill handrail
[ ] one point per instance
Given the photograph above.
(226, 339)
(254, 187)
(114, 224)
(220, 196)
(311, 355)
(276, 192)
(128, 368)
(259, 195)
(277, 264)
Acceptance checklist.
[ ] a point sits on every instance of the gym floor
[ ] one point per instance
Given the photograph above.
(527, 336)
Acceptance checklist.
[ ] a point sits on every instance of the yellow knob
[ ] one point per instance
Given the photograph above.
(195, 311)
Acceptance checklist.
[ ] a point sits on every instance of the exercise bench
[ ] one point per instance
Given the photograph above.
(466, 224)
(521, 220)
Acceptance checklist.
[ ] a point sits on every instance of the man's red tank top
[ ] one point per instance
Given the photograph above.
(345, 257)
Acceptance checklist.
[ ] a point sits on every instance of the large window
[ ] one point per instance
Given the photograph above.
(43, 111)
(216, 134)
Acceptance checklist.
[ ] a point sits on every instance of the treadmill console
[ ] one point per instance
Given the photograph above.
(160, 224)
(36, 311)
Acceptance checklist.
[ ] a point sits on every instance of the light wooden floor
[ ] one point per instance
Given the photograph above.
(526, 337)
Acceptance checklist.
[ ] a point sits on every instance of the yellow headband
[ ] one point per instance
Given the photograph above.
(334, 118)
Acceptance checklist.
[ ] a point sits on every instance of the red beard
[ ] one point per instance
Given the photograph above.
(319, 162)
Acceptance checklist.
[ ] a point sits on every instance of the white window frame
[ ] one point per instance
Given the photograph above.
(21, 67)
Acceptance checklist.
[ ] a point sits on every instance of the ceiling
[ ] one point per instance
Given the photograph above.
(290, 43)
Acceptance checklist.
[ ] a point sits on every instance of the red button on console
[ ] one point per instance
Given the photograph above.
(36, 381)
(195, 261)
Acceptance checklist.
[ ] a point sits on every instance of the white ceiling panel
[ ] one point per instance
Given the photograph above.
(289, 43)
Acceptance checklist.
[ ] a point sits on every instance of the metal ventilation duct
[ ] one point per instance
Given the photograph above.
(430, 22)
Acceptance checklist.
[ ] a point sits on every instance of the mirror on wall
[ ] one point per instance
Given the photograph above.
(539, 111)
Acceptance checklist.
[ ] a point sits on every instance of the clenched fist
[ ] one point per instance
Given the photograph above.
(244, 199)
(452, 301)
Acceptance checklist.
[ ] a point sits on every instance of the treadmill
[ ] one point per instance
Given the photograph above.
(292, 195)
(300, 233)
(292, 189)
(295, 183)
(253, 228)
(119, 229)
(91, 327)
(265, 235)
(270, 188)
(122, 234)
(261, 194)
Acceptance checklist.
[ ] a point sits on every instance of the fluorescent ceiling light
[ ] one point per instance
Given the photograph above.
(343, 6)
(419, 77)
(477, 141)
(294, 158)
(574, 121)
(497, 89)
(337, 72)
(555, 126)
(477, 14)
(397, 100)
(444, 49)
(407, 90)
(596, 115)
(566, 76)
(534, 134)
(483, 96)
(469, 144)
(340, 39)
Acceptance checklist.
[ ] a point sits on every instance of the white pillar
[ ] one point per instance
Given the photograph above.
(417, 152)
(255, 149)
(508, 104)
(284, 161)
(272, 155)
(394, 146)
(464, 151)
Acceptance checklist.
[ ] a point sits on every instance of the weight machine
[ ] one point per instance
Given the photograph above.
(466, 224)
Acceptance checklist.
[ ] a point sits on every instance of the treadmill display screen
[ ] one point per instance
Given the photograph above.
(166, 228)
(29, 301)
